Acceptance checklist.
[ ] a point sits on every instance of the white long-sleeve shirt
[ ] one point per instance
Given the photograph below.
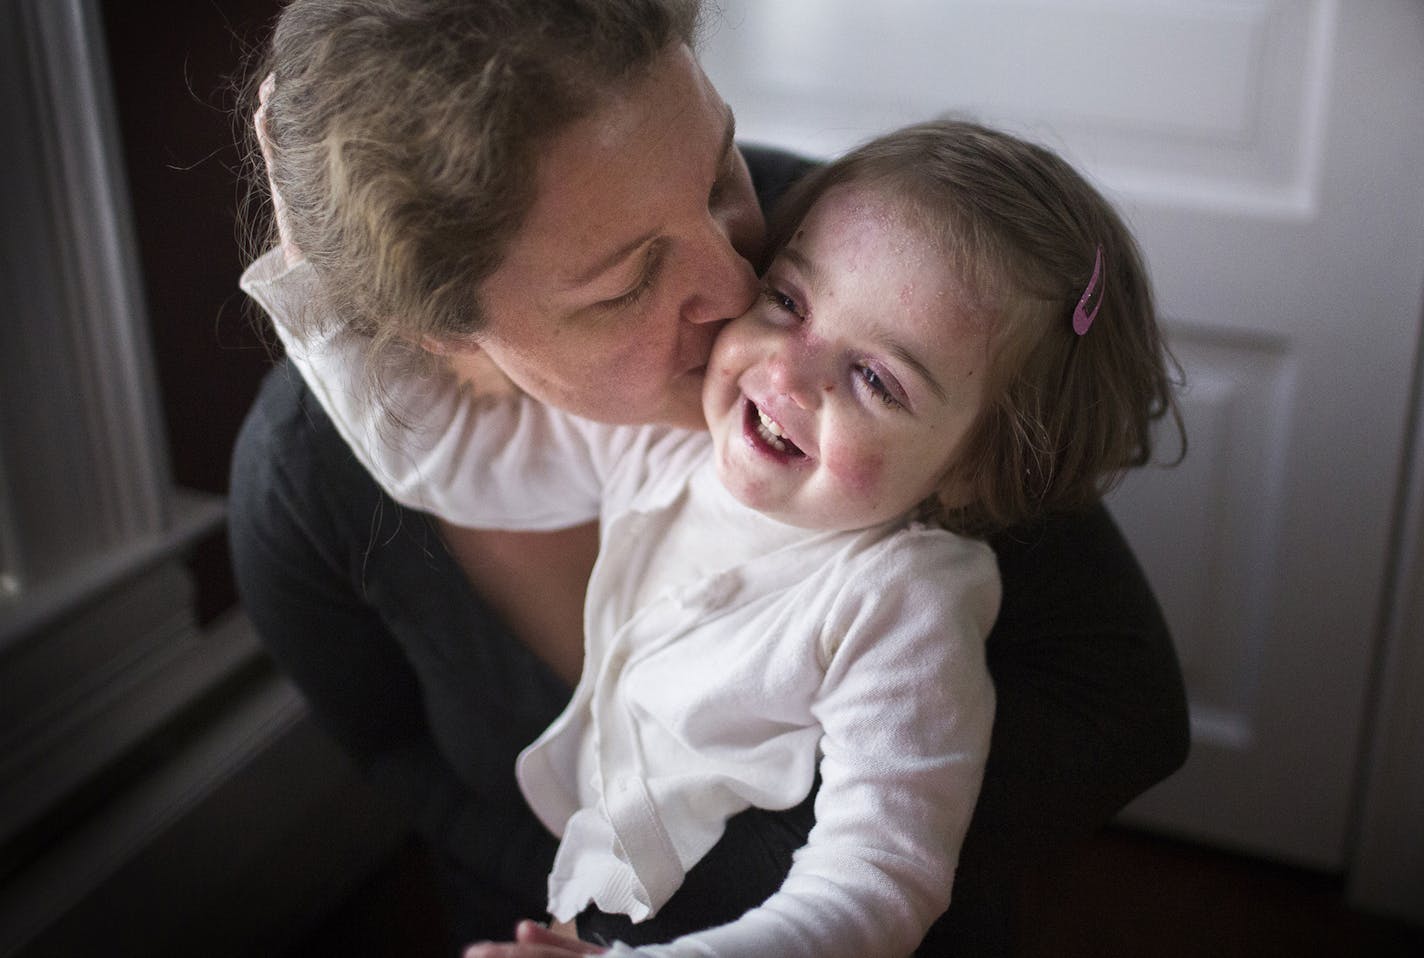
(727, 657)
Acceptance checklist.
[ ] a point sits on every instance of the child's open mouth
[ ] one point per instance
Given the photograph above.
(768, 434)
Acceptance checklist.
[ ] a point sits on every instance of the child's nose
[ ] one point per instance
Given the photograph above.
(799, 377)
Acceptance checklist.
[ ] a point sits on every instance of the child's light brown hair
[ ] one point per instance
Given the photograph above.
(1064, 415)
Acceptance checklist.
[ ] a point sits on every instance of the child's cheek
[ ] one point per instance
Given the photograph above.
(858, 474)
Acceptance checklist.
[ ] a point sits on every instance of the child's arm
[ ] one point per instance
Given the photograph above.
(906, 707)
(508, 463)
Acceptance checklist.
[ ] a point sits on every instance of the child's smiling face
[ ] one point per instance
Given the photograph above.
(838, 400)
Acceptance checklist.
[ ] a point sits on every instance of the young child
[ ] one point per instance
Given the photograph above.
(955, 334)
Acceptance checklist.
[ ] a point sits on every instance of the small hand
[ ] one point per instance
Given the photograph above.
(532, 940)
(290, 252)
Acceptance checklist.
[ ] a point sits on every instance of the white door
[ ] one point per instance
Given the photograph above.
(1271, 158)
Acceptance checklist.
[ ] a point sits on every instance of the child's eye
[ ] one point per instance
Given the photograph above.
(877, 386)
(781, 301)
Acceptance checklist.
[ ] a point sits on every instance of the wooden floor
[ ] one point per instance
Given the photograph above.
(1129, 894)
(1125, 894)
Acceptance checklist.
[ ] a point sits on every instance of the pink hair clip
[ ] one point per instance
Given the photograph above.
(1082, 319)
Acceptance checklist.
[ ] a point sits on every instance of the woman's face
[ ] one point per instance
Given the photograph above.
(632, 256)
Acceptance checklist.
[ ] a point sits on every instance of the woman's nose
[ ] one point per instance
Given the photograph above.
(726, 283)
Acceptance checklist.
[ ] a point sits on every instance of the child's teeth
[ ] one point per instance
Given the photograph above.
(771, 425)
(770, 431)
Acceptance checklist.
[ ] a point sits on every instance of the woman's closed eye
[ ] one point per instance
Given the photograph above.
(646, 280)
(631, 297)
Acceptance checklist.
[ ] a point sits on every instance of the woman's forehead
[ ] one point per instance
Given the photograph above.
(616, 179)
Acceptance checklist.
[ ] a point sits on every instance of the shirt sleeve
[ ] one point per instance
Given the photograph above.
(907, 709)
(506, 463)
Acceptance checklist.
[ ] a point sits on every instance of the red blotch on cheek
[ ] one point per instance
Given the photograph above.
(859, 475)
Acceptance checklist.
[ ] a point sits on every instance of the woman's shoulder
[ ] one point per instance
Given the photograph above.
(1090, 530)
(1070, 575)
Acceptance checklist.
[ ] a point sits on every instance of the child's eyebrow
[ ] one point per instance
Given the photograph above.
(908, 358)
(804, 264)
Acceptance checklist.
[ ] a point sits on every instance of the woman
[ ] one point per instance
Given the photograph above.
(575, 159)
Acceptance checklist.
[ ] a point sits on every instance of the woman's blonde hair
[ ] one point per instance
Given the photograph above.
(404, 137)
(1064, 415)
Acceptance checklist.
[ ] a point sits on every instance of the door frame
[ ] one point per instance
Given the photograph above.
(1387, 868)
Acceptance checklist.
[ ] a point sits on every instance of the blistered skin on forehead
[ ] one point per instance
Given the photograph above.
(869, 226)
(878, 220)
(876, 225)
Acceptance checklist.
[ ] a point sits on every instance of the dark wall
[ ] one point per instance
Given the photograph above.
(175, 65)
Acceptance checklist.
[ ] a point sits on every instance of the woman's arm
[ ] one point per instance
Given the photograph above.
(508, 463)
(400, 662)
(1091, 713)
